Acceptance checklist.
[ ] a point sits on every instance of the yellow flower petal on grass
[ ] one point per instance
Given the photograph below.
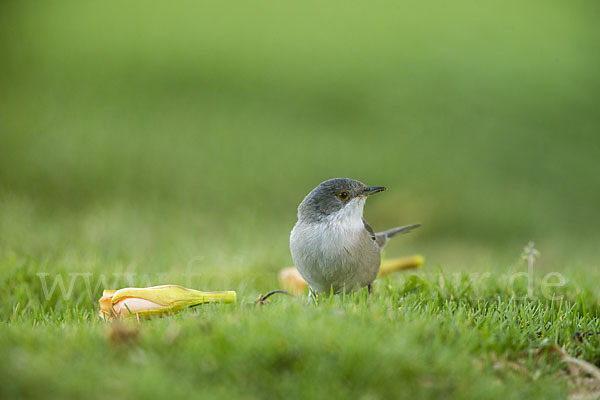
(106, 303)
(156, 300)
(291, 280)
(399, 264)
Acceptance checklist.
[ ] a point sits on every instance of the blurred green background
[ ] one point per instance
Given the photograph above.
(151, 134)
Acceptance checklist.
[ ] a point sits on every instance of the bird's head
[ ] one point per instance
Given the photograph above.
(336, 197)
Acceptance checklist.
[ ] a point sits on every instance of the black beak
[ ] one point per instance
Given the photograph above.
(375, 189)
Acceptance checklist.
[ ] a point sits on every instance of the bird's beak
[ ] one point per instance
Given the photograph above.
(375, 189)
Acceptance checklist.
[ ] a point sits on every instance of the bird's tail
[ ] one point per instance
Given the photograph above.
(383, 237)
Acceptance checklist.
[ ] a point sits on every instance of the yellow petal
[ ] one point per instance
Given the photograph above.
(156, 300)
(400, 264)
(106, 304)
(169, 295)
(291, 280)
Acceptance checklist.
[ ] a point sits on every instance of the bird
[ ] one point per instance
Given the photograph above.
(332, 245)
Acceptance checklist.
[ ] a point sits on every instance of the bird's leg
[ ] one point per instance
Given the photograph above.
(370, 286)
(312, 295)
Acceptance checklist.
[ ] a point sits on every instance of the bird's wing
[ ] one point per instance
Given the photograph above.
(369, 229)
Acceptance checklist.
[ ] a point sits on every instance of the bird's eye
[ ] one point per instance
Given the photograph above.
(343, 195)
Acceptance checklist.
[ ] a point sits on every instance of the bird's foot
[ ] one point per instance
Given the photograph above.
(313, 295)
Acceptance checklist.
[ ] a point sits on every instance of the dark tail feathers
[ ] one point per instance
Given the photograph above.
(383, 237)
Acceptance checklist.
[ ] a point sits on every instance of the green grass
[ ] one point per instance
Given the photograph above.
(418, 336)
(144, 144)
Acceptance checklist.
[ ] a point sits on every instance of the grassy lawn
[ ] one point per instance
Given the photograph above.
(421, 335)
(144, 144)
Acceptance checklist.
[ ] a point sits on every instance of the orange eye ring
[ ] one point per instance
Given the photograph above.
(343, 195)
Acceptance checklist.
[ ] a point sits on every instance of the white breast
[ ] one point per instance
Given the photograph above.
(337, 251)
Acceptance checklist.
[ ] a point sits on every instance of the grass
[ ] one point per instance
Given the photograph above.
(144, 144)
(420, 335)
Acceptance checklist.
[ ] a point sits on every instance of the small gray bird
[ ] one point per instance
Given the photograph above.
(332, 245)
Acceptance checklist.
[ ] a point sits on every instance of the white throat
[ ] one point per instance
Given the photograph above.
(350, 216)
